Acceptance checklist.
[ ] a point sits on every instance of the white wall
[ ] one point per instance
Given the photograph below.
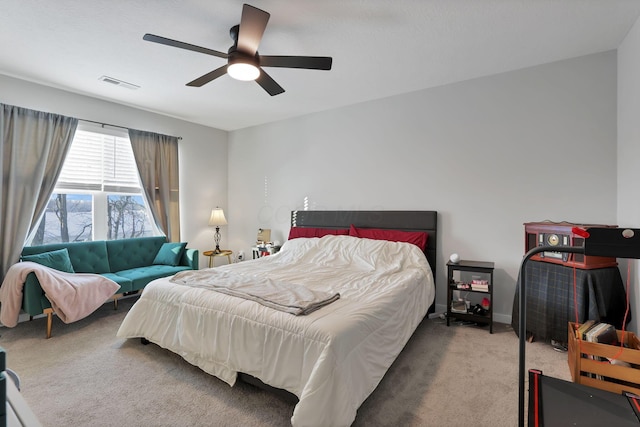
(629, 154)
(489, 154)
(202, 150)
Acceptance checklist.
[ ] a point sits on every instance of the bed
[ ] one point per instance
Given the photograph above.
(332, 358)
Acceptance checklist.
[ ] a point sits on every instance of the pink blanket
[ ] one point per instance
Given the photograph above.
(72, 295)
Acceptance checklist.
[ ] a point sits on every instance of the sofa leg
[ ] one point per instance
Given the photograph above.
(115, 301)
(49, 313)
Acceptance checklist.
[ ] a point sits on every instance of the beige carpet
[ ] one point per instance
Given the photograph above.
(85, 376)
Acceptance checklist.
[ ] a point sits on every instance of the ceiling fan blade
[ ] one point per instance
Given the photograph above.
(307, 62)
(182, 45)
(203, 80)
(252, 26)
(269, 84)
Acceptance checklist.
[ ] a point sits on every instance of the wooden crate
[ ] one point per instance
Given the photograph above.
(589, 371)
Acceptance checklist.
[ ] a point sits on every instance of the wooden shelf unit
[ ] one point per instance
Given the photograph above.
(482, 268)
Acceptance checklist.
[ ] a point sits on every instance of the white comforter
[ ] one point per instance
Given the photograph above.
(333, 358)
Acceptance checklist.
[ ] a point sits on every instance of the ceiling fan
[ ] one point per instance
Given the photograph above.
(243, 60)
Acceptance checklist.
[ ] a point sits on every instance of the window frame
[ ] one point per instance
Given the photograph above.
(100, 197)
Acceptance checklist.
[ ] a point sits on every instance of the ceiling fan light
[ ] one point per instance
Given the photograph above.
(243, 71)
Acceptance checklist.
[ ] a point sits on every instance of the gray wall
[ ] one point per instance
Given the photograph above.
(489, 154)
(629, 154)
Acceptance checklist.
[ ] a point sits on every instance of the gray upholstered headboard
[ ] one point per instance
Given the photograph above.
(394, 220)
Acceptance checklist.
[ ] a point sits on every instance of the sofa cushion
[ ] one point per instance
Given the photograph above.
(170, 254)
(86, 257)
(142, 275)
(125, 254)
(58, 260)
(126, 285)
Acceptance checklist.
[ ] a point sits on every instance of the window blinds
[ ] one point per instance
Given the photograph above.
(99, 161)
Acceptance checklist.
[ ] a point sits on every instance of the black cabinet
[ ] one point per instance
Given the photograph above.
(474, 281)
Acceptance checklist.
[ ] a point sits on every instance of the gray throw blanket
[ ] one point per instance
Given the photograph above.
(287, 297)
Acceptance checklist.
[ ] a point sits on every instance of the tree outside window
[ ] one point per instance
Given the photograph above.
(127, 217)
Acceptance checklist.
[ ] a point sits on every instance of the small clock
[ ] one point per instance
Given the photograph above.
(553, 240)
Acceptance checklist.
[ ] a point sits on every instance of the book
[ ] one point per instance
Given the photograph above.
(593, 332)
(607, 335)
(582, 328)
(589, 336)
(586, 330)
(480, 285)
(602, 333)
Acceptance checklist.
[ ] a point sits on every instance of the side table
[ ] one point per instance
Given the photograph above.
(260, 251)
(600, 295)
(213, 254)
(482, 286)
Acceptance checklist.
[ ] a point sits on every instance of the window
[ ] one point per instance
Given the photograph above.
(98, 195)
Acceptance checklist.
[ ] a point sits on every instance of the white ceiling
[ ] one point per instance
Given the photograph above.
(380, 48)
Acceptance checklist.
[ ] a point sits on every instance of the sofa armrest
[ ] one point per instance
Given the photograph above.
(33, 299)
(191, 258)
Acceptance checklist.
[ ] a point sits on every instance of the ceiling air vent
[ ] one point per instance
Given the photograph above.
(117, 82)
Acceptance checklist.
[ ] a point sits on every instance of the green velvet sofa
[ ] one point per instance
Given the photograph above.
(131, 263)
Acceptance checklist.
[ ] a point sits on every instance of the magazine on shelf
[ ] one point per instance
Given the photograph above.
(458, 307)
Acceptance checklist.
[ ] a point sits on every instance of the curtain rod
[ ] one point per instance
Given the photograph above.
(116, 126)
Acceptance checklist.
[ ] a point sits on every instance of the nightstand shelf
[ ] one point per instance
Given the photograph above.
(460, 276)
(260, 251)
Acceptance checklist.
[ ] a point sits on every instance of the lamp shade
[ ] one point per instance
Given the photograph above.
(217, 217)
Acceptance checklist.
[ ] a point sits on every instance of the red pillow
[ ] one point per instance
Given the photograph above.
(418, 238)
(296, 232)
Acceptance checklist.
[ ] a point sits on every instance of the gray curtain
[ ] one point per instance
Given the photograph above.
(33, 148)
(157, 160)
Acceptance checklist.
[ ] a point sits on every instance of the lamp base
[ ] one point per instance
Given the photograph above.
(216, 238)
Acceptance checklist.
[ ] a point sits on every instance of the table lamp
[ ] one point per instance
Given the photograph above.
(217, 219)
